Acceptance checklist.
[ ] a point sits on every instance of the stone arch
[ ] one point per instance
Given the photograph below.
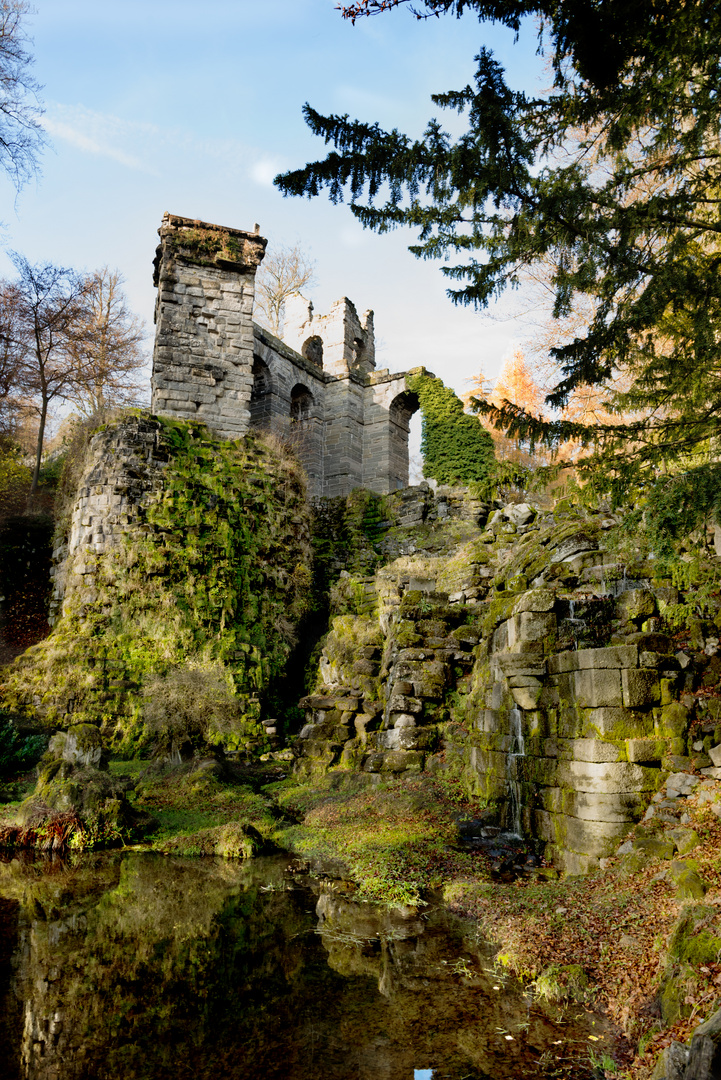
(312, 350)
(400, 411)
(261, 394)
(301, 403)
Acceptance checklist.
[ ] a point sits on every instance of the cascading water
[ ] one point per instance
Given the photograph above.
(574, 622)
(516, 750)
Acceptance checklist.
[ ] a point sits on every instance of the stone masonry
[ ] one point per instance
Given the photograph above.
(516, 657)
(319, 390)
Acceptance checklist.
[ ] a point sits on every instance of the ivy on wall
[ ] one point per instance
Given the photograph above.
(456, 449)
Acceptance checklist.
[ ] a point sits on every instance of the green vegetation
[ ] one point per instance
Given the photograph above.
(396, 839)
(207, 247)
(187, 801)
(18, 752)
(455, 448)
(214, 578)
(601, 187)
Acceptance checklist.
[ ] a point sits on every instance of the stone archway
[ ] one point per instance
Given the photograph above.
(400, 411)
(312, 350)
(301, 403)
(260, 395)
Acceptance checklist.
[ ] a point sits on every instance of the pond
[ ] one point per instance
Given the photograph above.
(136, 965)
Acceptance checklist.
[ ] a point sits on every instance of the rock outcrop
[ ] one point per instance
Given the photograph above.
(511, 651)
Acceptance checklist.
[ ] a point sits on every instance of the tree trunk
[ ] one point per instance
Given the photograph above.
(39, 454)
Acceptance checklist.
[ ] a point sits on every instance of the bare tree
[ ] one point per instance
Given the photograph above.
(14, 345)
(285, 270)
(107, 348)
(51, 311)
(21, 134)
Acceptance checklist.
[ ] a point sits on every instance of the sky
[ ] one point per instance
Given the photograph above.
(155, 105)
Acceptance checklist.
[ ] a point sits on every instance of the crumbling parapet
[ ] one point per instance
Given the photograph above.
(340, 342)
(203, 357)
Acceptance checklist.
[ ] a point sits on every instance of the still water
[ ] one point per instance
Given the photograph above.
(136, 965)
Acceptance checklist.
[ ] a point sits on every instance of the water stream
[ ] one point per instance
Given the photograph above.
(138, 966)
(516, 751)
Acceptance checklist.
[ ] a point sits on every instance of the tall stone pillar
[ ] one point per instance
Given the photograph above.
(203, 356)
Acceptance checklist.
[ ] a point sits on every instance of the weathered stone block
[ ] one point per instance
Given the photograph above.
(672, 721)
(590, 750)
(635, 605)
(536, 600)
(594, 838)
(402, 761)
(618, 723)
(526, 697)
(646, 749)
(594, 806)
(640, 688)
(597, 687)
(399, 703)
(570, 863)
(608, 777)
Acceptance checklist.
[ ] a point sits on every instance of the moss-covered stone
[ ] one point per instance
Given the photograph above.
(210, 564)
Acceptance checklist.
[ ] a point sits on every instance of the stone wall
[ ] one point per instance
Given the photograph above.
(558, 704)
(203, 357)
(123, 468)
(317, 390)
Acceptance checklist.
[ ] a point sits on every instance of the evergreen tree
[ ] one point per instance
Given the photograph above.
(613, 178)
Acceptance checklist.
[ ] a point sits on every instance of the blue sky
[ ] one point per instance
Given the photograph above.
(155, 105)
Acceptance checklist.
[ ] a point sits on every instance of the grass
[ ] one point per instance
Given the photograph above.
(184, 800)
(397, 838)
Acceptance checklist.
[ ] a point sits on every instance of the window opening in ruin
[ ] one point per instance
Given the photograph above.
(312, 350)
(359, 351)
(301, 403)
(260, 395)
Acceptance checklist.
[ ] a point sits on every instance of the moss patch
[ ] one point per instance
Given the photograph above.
(396, 838)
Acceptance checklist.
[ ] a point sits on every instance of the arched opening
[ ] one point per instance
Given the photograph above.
(301, 403)
(402, 408)
(415, 457)
(312, 350)
(260, 395)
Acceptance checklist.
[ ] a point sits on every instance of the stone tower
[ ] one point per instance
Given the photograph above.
(203, 357)
(318, 389)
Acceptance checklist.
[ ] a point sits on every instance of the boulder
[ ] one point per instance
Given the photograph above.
(80, 745)
(688, 882)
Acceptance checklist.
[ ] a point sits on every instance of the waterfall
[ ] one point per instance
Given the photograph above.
(516, 750)
(574, 621)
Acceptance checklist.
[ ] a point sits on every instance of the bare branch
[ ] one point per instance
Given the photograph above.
(285, 270)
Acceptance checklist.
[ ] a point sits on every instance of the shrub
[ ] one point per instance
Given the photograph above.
(192, 707)
(18, 752)
(456, 448)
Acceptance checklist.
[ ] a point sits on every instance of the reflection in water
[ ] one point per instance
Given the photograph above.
(137, 966)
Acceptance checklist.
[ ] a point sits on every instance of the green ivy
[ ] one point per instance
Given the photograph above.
(456, 448)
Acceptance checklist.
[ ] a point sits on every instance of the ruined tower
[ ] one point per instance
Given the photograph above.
(318, 388)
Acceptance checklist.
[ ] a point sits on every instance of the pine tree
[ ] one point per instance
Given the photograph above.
(613, 179)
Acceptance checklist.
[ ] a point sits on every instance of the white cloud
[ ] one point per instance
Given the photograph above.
(264, 170)
(154, 150)
(100, 134)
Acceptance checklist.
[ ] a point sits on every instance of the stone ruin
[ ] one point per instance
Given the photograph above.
(318, 389)
(520, 660)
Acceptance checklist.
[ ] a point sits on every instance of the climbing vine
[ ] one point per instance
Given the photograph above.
(456, 448)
